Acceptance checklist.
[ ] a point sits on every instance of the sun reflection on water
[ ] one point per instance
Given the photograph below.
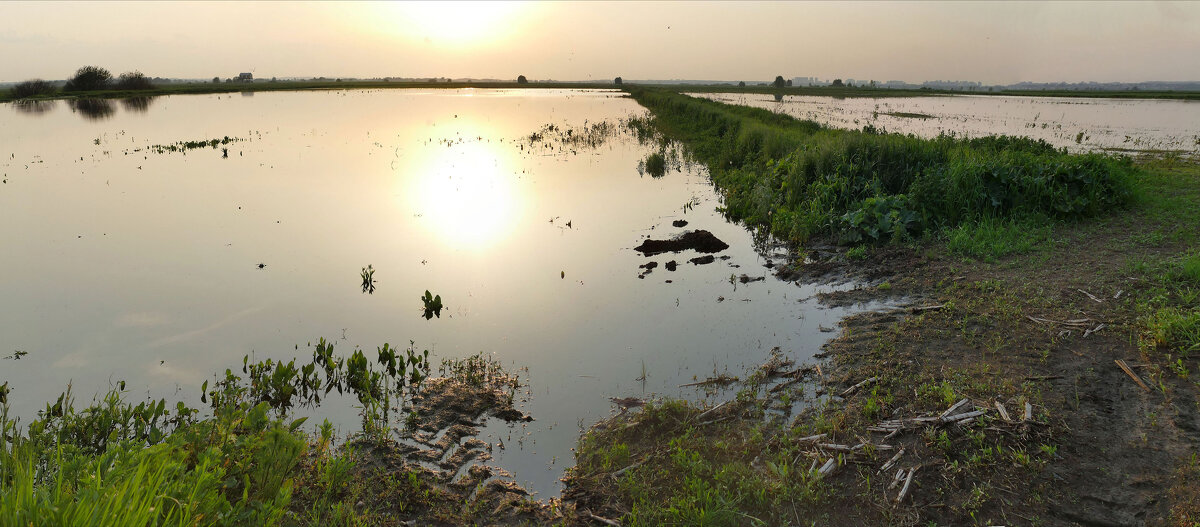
(467, 195)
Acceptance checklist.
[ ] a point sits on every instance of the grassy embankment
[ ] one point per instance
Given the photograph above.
(238, 87)
(1011, 234)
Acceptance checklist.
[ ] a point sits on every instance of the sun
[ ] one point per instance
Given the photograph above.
(457, 24)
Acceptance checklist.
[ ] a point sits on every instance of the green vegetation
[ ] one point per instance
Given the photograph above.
(116, 463)
(88, 78)
(802, 180)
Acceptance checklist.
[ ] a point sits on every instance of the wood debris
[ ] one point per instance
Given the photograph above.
(828, 467)
(907, 482)
(1003, 412)
(1132, 375)
(892, 462)
(855, 388)
(1091, 296)
(1093, 330)
(918, 309)
(1028, 412)
(605, 521)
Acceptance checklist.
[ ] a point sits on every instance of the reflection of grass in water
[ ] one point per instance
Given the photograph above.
(656, 165)
(368, 279)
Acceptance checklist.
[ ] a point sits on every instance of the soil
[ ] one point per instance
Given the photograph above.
(697, 240)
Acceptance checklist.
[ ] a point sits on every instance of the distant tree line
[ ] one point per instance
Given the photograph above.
(85, 79)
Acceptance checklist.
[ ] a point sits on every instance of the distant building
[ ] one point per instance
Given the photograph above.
(245, 77)
(807, 81)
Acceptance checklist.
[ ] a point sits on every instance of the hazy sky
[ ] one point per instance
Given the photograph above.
(1001, 42)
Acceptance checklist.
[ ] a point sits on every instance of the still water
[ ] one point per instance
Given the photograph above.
(1077, 124)
(124, 262)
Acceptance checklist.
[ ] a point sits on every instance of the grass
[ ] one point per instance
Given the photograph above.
(991, 239)
(801, 180)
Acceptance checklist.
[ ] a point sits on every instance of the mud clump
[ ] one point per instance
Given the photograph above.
(697, 240)
(671, 265)
(702, 260)
(679, 223)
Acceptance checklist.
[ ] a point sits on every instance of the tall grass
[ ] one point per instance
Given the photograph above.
(802, 180)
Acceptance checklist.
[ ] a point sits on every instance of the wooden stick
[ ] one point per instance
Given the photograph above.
(810, 439)
(892, 462)
(828, 467)
(1093, 330)
(605, 521)
(1130, 373)
(855, 388)
(1118, 295)
(897, 479)
(1091, 296)
(961, 417)
(710, 410)
(1003, 412)
(1028, 411)
(919, 309)
(907, 482)
(952, 409)
(836, 447)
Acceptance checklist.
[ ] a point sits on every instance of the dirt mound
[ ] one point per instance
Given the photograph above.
(697, 240)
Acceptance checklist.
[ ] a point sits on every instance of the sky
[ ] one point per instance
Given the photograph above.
(989, 42)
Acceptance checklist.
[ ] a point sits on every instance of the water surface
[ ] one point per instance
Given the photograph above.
(122, 262)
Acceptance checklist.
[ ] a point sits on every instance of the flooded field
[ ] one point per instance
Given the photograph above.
(158, 241)
(1078, 124)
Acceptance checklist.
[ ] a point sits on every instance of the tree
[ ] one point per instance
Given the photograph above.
(32, 88)
(133, 80)
(741, 84)
(522, 80)
(778, 81)
(617, 81)
(837, 83)
(89, 78)
(789, 83)
(216, 80)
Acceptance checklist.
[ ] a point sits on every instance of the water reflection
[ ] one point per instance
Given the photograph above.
(467, 196)
(92, 109)
(137, 104)
(34, 107)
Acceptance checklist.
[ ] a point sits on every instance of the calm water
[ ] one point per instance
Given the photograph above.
(1079, 124)
(121, 263)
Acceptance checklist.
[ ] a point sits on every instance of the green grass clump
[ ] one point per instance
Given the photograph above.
(990, 239)
(803, 180)
(1176, 329)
